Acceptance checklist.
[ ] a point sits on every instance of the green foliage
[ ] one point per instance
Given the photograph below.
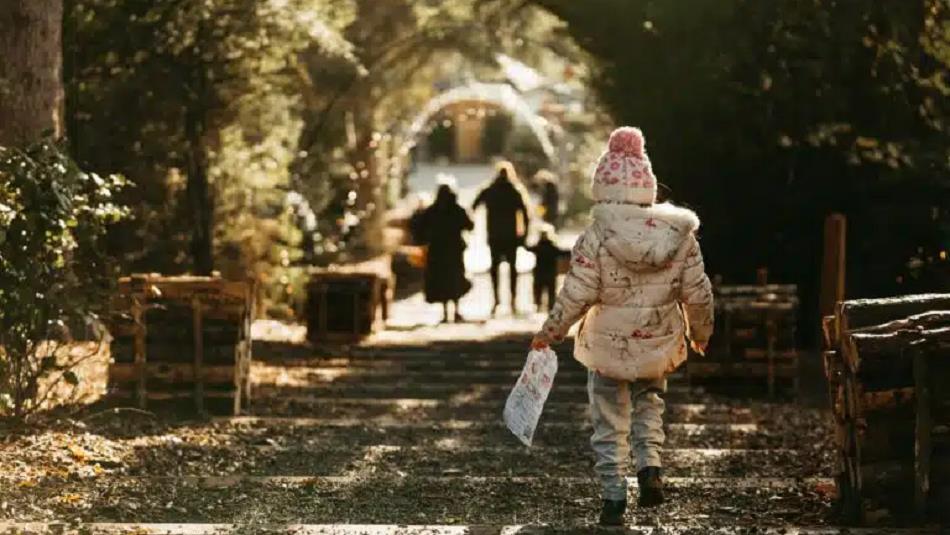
(524, 150)
(182, 96)
(52, 270)
(276, 124)
(934, 78)
(409, 50)
(768, 115)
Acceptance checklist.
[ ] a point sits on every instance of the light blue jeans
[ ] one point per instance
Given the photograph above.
(614, 406)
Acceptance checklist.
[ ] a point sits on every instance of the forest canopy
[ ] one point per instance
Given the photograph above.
(263, 137)
(767, 116)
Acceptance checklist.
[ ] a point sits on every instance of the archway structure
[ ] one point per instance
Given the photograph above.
(501, 95)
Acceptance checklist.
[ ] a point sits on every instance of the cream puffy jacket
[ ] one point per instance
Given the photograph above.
(637, 279)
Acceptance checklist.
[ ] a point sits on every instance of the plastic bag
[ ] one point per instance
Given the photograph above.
(524, 405)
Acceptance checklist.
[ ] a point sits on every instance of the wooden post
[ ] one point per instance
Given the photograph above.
(243, 378)
(852, 500)
(322, 313)
(727, 332)
(356, 314)
(833, 264)
(139, 291)
(138, 317)
(770, 336)
(198, 357)
(924, 426)
(383, 289)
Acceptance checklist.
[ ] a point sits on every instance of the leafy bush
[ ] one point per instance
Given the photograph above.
(52, 272)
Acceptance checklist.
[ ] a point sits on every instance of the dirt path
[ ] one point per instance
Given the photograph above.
(404, 436)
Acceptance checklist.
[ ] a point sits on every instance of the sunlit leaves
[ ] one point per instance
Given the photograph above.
(51, 267)
(139, 68)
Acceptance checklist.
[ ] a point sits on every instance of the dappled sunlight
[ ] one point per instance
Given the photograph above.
(449, 443)
(267, 330)
(471, 395)
(279, 376)
(412, 404)
(259, 198)
(423, 318)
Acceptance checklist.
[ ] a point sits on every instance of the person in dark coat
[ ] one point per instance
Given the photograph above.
(505, 202)
(445, 281)
(417, 224)
(550, 197)
(546, 256)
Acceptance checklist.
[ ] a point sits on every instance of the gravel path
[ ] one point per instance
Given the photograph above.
(367, 439)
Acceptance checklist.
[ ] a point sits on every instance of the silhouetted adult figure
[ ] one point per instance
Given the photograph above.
(507, 226)
(444, 223)
(550, 199)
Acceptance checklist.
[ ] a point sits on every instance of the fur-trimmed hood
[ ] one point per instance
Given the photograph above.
(644, 238)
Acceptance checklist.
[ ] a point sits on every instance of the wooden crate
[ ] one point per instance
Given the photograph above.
(182, 341)
(754, 337)
(344, 304)
(884, 361)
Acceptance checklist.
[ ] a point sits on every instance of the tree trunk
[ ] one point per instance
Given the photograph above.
(199, 190)
(199, 193)
(31, 61)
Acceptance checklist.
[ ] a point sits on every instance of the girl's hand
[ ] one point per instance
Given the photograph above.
(699, 347)
(540, 341)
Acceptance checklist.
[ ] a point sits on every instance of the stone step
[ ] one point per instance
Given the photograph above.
(406, 387)
(365, 498)
(308, 375)
(518, 348)
(419, 409)
(344, 433)
(670, 483)
(393, 529)
(313, 458)
(436, 362)
(395, 422)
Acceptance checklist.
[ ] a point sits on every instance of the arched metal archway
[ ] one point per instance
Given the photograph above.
(502, 95)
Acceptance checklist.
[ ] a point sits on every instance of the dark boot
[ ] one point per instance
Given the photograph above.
(612, 512)
(651, 487)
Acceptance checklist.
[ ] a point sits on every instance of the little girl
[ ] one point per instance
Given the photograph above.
(638, 285)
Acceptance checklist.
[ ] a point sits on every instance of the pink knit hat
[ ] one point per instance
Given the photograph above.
(624, 173)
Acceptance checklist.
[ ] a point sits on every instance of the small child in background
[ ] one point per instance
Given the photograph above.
(546, 257)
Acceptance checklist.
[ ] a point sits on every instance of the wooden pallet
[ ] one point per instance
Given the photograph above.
(884, 359)
(754, 337)
(344, 304)
(182, 341)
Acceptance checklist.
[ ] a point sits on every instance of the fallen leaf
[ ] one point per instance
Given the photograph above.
(78, 453)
